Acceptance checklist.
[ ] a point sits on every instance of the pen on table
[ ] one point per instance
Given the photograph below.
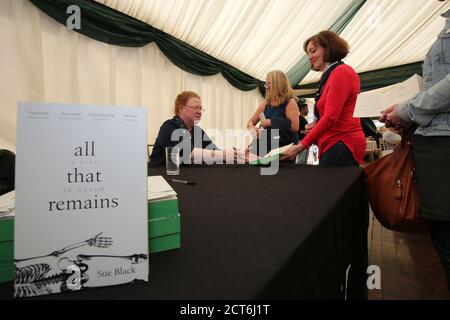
(182, 181)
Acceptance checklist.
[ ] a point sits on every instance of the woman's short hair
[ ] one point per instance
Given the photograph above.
(335, 47)
(182, 99)
(280, 88)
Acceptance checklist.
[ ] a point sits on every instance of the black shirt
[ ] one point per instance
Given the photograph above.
(182, 139)
(303, 123)
(7, 171)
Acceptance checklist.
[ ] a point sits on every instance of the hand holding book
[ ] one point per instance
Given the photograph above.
(272, 155)
(293, 151)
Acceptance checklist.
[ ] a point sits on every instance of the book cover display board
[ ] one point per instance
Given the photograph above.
(81, 198)
(164, 223)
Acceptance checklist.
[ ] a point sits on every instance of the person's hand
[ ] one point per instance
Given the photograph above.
(309, 126)
(266, 123)
(229, 154)
(249, 157)
(254, 131)
(384, 114)
(235, 153)
(243, 155)
(390, 117)
(292, 152)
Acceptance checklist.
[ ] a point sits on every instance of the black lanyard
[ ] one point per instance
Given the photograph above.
(322, 83)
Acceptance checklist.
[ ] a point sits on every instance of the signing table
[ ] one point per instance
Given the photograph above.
(299, 234)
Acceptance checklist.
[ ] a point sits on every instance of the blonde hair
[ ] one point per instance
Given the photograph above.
(182, 99)
(280, 89)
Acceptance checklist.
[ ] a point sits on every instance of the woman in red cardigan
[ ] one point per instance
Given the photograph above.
(338, 134)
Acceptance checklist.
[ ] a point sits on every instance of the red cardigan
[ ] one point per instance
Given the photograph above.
(336, 106)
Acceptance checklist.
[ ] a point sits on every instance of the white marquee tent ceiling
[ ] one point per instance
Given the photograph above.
(257, 36)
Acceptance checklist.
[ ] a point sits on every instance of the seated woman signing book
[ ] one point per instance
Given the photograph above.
(182, 131)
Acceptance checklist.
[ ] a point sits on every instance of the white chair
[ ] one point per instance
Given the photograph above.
(371, 146)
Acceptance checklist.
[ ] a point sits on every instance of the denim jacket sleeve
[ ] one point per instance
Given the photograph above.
(423, 106)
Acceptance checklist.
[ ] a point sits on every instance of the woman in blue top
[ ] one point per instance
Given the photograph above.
(280, 112)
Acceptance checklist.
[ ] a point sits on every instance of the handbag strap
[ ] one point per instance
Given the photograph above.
(407, 132)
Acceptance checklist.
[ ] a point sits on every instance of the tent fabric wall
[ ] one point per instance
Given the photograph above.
(257, 36)
(108, 25)
(125, 23)
(378, 78)
(43, 61)
(302, 68)
(254, 36)
(105, 24)
(384, 34)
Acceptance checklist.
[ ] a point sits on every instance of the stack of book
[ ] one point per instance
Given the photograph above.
(7, 211)
(163, 216)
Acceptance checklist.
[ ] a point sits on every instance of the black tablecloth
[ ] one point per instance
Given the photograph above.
(299, 234)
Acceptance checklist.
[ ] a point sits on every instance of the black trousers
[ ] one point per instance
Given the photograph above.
(440, 235)
(338, 155)
(432, 160)
(7, 171)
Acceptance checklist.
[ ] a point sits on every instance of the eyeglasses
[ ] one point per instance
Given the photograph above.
(196, 108)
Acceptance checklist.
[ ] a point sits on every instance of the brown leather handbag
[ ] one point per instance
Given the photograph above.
(392, 189)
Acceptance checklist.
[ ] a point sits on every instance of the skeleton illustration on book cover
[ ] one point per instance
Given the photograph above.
(68, 269)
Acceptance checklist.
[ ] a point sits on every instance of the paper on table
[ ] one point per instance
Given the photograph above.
(371, 103)
(159, 188)
(8, 204)
(273, 154)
